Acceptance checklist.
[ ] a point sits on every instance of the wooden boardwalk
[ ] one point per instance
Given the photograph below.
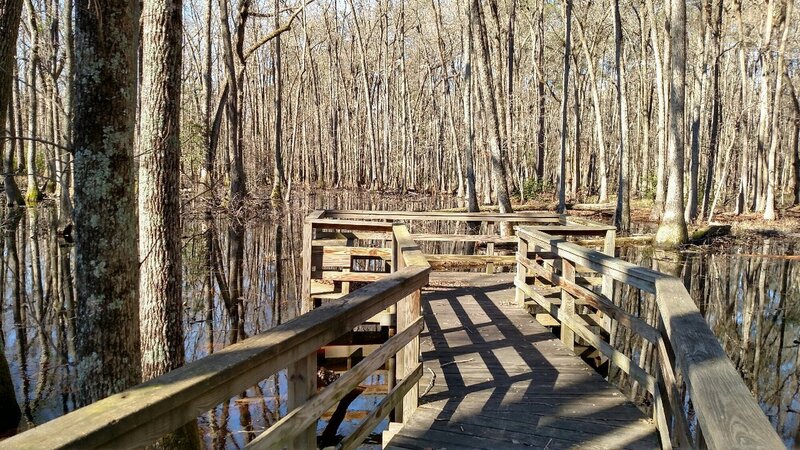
(502, 380)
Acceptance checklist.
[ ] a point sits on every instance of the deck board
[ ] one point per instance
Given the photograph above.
(502, 380)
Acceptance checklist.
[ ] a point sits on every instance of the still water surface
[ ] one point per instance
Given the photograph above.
(749, 294)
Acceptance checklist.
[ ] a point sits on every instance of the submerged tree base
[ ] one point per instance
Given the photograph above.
(671, 235)
(32, 196)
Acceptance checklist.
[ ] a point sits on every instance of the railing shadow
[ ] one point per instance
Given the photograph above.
(503, 381)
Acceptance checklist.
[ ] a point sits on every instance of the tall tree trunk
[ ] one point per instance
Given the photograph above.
(486, 81)
(209, 176)
(769, 206)
(698, 92)
(764, 97)
(278, 177)
(795, 150)
(622, 213)
(160, 285)
(540, 84)
(10, 11)
(714, 23)
(562, 159)
(32, 194)
(107, 267)
(598, 115)
(742, 205)
(672, 230)
(371, 145)
(661, 129)
(469, 123)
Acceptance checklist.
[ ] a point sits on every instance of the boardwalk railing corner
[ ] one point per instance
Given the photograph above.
(691, 365)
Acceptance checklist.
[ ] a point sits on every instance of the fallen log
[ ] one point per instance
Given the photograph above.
(592, 206)
(708, 232)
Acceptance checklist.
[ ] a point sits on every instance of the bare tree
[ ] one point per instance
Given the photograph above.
(107, 266)
(10, 12)
(672, 230)
(622, 213)
(562, 159)
(486, 81)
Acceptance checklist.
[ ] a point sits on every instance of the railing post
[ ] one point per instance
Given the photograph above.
(306, 304)
(490, 247)
(302, 375)
(306, 259)
(522, 271)
(408, 311)
(567, 305)
(607, 288)
(302, 386)
(391, 363)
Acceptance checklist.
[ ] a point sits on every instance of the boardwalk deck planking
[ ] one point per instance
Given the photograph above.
(505, 381)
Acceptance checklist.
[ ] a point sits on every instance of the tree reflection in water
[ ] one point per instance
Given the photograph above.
(231, 269)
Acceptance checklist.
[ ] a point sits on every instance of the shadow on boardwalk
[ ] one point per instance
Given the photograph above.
(502, 380)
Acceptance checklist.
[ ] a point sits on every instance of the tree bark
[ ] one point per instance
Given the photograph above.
(661, 128)
(769, 206)
(672, 230)
(469, 123)
(486, 82)
(598, 115)
(622, 214)
(714, 23)
(562, 159)
(278, 177)
(10, 12)
(160, 305)
(107, 307)
(32, 195)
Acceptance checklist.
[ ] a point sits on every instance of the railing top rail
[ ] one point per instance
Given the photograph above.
(635, 275)
(353, 225)
(523, 216)
(575, 220)
(142, 414)
(727, 412)
(409, 250)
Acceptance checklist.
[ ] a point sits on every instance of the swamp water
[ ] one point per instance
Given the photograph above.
(749, 294)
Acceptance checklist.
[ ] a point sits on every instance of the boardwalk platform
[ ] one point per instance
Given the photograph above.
(502, 380)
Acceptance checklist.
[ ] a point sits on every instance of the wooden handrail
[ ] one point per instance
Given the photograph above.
(520, 217)
(281, 433)
(144, 413)
(727, 413)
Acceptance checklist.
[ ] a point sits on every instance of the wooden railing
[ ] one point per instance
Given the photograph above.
(336, 250)
(142, 414)
(571, 286)
(555, 274)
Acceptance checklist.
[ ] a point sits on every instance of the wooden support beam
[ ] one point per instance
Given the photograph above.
(307, 414)
(376, 416)
(522, 250)
(302, 379)
(567, 305)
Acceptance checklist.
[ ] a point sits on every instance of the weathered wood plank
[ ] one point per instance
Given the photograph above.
(143, 414)
(620, 270)
(374, 418)
(332, 275)
(493, 365)
(352, 225)
(726, 410)
(481, 238)
(443, 262)
(282, 432)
